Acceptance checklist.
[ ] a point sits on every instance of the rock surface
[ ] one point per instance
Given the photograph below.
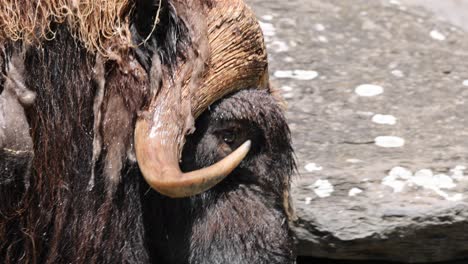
(378, 108)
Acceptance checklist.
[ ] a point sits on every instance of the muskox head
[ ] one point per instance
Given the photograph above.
(168, 61)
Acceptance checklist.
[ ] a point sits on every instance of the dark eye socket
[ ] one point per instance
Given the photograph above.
(229, 136)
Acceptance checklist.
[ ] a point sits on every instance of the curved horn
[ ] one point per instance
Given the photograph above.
(162, 172)
(237, 61)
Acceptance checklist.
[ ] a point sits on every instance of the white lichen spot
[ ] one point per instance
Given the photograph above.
(365, 113)
(400, 177)
(354, 161)
(393, 65)
(319, 27)
(297, 74)
(268, 29)
(454, 198)
(354, 191)
(384, 119)
(424, 173)
(368, 90)
(443, 181)
(465, 83)
(308, 200)
(323, 39)
(393, 182)
(288, 95)
(389, 142)
(279, 46)
(400, 172)
(458, 173)
(286, 88)
(267, 17)
(395, 2)
(323, 188)
(288, 59)
(398, 73)
(310, 167)
(435, 34)
(426, 179)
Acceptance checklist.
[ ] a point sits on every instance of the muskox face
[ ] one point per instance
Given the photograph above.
(166, 60)
(248, 115)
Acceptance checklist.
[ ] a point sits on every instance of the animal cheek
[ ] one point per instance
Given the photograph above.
(205, 151)
(223, 150)
(214, 147)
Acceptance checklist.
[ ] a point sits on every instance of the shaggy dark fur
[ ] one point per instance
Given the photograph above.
(242, 219)
(61, 214)
(57, 219)
(169, 40)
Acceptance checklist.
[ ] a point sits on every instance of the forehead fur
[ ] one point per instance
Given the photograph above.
(248, 104)
(101, 25)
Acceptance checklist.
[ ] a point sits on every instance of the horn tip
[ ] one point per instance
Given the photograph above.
(247, 144)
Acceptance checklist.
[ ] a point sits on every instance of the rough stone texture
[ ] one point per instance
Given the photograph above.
(453, 11)
(422, 64)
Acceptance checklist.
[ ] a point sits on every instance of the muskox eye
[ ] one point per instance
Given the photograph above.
(229, 136)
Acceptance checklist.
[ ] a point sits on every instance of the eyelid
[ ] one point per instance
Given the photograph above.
(229, 136)
(227, 128)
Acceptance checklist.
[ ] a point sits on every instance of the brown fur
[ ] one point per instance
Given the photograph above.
(101, 26)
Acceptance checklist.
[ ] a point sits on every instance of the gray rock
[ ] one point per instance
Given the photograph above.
(416, 213)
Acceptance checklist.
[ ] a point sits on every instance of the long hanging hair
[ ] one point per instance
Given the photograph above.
(77, 196)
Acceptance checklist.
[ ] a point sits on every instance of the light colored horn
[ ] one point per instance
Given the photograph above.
(237, 61)
(161, 170)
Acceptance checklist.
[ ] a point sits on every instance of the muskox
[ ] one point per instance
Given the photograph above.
(101, 105)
